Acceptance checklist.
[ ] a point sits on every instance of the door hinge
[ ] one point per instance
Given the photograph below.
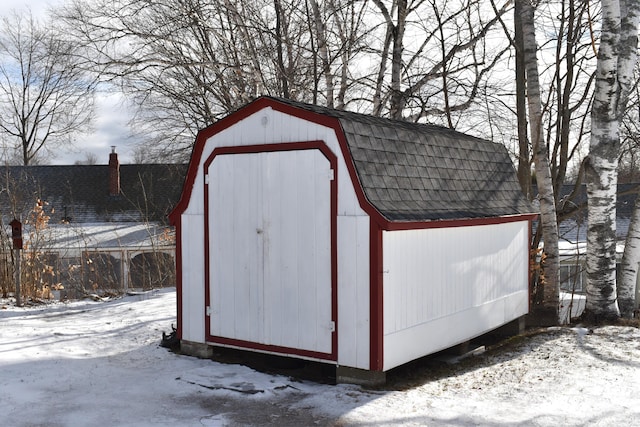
(332, 175)
(332, 326)
(208, 310)
(206, 179)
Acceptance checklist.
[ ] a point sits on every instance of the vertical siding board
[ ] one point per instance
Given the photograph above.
(281, 222)
(362, 327)
(218, 256)
(309, 211)
(246, 250)
(279, 278)
(323, 238)
(347, 290)
(390, 294)
(271, 217)
(353, 291)
(216, 200)
(193, 278)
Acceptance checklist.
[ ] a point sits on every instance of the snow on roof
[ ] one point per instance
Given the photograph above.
(125, 235)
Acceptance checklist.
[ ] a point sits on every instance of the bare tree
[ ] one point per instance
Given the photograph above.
(629, 172)
(186, 64)
(439, 73)
(546, 196)
(524, 156)
(46, 98)
(627, 274)
(617, 58)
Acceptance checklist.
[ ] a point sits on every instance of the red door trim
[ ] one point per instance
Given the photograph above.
(261, 148)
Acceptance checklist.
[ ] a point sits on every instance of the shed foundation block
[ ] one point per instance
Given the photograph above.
(347, 375)
(515, 327)
(197, 349)
(542, 317)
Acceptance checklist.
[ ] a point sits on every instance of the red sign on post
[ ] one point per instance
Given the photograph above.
(16, 233)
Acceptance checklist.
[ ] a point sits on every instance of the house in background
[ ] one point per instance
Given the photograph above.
(348, 239)
(93, 227)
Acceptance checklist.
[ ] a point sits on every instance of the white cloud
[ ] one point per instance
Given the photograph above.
(110, 129)
(38, 7)
(110, 126)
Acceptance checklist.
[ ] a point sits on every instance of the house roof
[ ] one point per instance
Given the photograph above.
(80, 193)
(574, 229)
(420, 172)
(104, 236)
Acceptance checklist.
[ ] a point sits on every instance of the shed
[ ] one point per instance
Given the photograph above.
(353, 240)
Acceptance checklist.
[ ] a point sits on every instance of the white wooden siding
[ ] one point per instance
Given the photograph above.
(353, 273)
(192, 278)
(270, 240)
(444, 286)
(353, 291)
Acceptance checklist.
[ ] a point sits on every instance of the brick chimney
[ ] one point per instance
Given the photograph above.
(114, 173)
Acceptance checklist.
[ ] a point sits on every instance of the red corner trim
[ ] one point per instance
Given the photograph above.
(376, 307)
(178, 276)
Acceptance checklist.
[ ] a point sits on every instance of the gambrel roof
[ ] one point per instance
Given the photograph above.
(420, 172)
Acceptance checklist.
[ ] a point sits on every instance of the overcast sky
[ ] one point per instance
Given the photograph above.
(111, 118)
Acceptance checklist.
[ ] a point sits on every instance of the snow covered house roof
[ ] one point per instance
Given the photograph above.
(421, 172)
(108, 236)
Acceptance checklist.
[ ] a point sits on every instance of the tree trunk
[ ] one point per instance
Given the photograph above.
(279, 48)
(397, 97)
(544, 181)
(614, 76)
(524, 157)
(323, 52)
(628, 272)
(382, 70)
(601, 177)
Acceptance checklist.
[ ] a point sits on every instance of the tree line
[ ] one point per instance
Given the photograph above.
(553, 80)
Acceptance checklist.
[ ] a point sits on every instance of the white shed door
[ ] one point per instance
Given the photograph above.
(270, 264)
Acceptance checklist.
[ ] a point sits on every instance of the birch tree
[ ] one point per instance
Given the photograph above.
(524, 157)
(617, 57)
(541, 163)
(629, 173)
(628, 270)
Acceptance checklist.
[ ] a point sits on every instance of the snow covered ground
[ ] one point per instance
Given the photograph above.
(99, 364)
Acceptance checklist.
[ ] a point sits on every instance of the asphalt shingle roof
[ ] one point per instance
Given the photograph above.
(81, 192)
(420, 172)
